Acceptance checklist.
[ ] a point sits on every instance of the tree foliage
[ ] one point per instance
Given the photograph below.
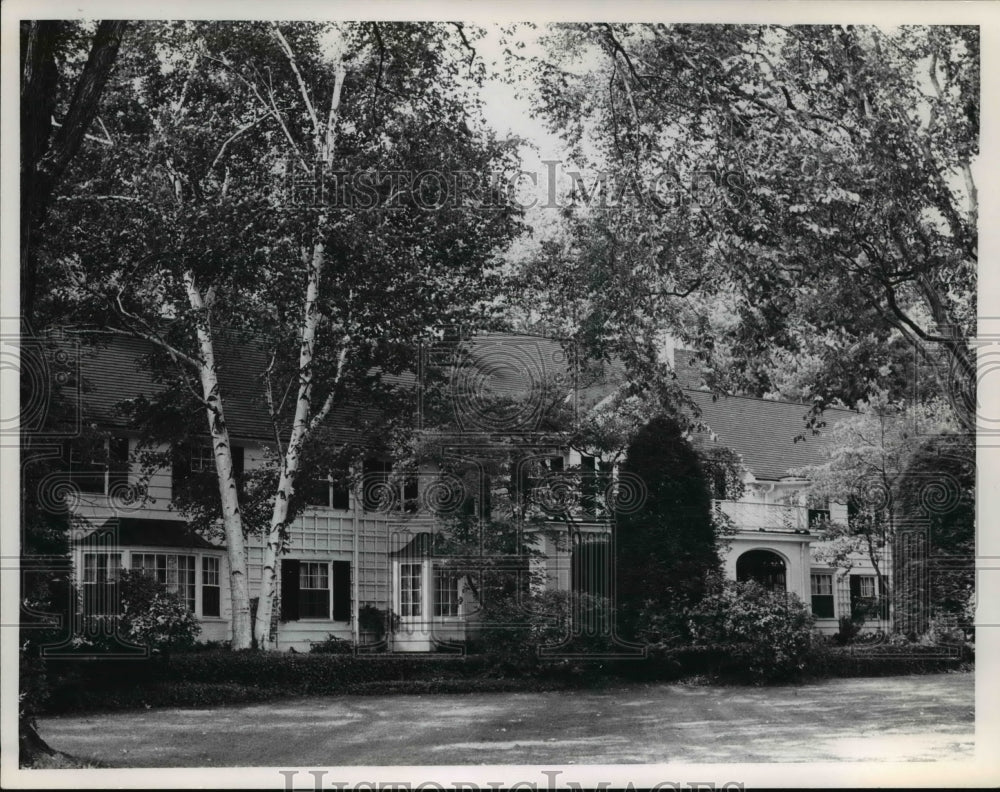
(867, 458)
(665, 549)
(936, 505)
(798, 202)
(224, 133)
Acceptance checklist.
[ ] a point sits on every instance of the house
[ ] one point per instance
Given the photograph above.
(368, 547)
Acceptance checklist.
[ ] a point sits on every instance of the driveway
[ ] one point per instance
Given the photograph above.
(890, 718)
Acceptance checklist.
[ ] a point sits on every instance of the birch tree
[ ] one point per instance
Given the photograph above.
(335, 295)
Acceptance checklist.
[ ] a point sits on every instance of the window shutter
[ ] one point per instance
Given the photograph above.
(856, 609)
(237, 453)
(180, 469)
(118, 466)
(289, 590)
(341, 590)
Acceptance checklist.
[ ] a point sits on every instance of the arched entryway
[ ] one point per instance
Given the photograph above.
(764, 566)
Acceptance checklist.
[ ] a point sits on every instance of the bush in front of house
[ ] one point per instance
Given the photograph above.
(520, 632)
(152, 616)
(765, 635)
(332, 645)
(149, 616)
(890, 657)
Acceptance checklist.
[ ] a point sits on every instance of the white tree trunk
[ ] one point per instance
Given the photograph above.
(303, 421)
(239, 586)
(277, 530)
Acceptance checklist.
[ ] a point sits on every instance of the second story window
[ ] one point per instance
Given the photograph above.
(98, 465)
(818, 517)
(202, 459)
(193, 472)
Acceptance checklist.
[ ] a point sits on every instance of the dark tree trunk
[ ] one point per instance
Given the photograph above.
(31, 746)
(44, 157)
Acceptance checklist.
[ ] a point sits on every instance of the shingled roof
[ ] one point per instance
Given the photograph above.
(112, 372)
(762, 431)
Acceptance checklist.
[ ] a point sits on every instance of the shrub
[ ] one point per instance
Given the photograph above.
(519, 631)
(149, 616)
(332, 645)
(889, 658)
(152, 616)
(767, 634)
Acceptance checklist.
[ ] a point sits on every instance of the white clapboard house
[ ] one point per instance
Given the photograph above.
(352, 549)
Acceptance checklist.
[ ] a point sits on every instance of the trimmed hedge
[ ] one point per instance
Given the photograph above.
(217, 677)
(871, 660)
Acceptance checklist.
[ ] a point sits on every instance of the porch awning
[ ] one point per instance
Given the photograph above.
(137, 531)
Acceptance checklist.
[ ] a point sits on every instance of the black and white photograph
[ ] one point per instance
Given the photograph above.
(455, 396)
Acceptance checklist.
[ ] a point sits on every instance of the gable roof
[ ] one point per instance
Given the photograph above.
(112, 372)
(762, 431)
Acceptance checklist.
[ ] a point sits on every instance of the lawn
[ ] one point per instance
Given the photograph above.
(928, 717)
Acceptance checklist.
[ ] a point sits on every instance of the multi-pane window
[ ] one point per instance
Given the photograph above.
(98, 466)
(100, 582)
(446, 592)
(865, 601)
(409, 589)
(818, 517)
(314, 590)
(211, 587)
(330, 491)
(822, 595)
(174, 571)
(202, 459)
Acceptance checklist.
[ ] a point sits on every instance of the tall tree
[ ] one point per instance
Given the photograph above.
(868, 456)
(47, 146)
(804, 195)
(264, 185)
(64, 70)
(667, 548)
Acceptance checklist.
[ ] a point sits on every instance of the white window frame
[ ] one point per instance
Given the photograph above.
(454, 591)
(177, 585)
(328, 572)
(112, 571)
(204, 456)
(411, 606)
(202, 584)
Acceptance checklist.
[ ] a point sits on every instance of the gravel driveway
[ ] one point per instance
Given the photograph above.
(891, 718)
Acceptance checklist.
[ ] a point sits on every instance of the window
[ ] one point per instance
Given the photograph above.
(202, 459)
(100, 583)
(211, 590)
(333, 491)
(409, 589)
(174, 571)
(822, 595)
(314, 590)
(446, 592)
(865, 602)
(193, 470)
(308, 588)
(818, 516)
(98, 466)
(720, 489)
